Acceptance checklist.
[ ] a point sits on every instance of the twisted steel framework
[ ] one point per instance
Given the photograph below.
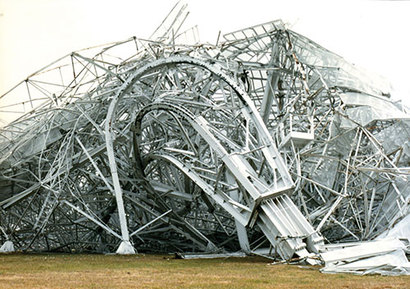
(265, 137)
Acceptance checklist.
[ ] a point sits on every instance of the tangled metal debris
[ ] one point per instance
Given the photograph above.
(265, 142)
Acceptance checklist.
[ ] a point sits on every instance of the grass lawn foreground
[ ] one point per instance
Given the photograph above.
(153, 271)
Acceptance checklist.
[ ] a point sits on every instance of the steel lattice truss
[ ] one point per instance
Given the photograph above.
(264, 138)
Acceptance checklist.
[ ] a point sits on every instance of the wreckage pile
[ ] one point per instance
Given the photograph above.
(265, 142)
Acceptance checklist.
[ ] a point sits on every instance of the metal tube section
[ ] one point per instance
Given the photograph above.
(125, 246)
(149, 223)
(88, 216)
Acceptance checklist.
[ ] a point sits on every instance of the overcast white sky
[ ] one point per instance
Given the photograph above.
(372, 34)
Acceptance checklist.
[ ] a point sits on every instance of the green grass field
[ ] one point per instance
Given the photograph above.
(148, 271)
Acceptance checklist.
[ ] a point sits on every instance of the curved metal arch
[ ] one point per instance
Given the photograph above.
(268, 148)
(242, 95)
(224, 201)
(270, 218)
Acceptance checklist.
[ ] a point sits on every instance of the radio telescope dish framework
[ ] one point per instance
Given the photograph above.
(265, 139)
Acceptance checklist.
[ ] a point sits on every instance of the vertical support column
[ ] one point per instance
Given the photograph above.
(240, 229)
(270, 86)
(125, 246)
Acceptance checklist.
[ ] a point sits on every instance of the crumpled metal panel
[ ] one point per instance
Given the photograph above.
(385, 256)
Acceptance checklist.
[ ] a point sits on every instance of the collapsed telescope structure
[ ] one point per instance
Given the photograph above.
(265, 139)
